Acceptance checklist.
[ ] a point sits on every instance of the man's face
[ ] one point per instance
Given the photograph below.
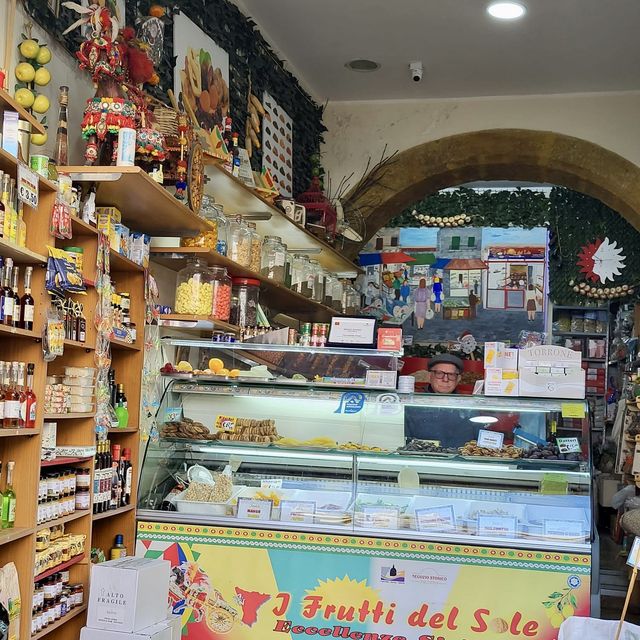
(444, 378)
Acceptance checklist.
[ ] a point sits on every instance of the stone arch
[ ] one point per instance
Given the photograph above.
(500, 154)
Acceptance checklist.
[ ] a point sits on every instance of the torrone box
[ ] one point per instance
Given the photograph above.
(128, 594)
(549, 371)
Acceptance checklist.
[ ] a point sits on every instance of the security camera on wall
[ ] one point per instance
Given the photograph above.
(415, 71)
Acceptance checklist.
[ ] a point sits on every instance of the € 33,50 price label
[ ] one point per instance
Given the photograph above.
(28, 186)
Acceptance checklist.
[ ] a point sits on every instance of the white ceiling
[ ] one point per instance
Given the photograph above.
(560, 46)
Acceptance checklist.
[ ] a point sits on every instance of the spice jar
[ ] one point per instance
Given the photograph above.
(244, 302)
(221, 283)
(300, 270)
(194, 293)
(239, 247)
(209, 237)
(316, 280)
(255, 243)
(273, 259)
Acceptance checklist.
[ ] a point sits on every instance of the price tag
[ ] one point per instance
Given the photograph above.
(28, 186)
(569, 445)
(492, 526)
(250, 509)
(273, 483)
(564, 528)
(490, 439)
(384, 379)
(436, 519)
(573, 410)
(634, 555)
(297, 511)
(379, 517)
(226, 423)
(172, 414)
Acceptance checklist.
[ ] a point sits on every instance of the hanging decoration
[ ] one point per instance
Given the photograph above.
(601, 260)
(426, 220)
(587, 290)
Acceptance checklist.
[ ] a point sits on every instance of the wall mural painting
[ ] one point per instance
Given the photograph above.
(442, 283)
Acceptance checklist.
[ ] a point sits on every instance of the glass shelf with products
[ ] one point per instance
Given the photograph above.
(304, 460)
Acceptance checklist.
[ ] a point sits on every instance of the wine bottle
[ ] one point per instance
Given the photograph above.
(9, 499)
(27, 303)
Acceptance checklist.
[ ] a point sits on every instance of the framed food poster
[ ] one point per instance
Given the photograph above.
(201, 76)
(277, 144)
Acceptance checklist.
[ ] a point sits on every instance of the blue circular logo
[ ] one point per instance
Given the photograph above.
(574, 582)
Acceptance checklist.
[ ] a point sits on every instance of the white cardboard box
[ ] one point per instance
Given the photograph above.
(501, 382)
(160, 631)
(552, 382)
(491, 350)
(547, 355)
(128, 594)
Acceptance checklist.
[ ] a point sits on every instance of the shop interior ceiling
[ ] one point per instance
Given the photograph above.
(560, 46)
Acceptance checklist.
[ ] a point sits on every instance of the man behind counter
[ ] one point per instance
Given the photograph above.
(451, 427)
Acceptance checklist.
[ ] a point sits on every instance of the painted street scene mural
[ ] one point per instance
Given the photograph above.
(439, 282)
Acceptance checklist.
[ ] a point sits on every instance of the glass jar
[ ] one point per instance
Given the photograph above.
(255, 247)
(244, 302)
(329, 281)
(288, 267)
(221, 283)
(239, 248)
(222, 247)
(350, 299)
(300, 269)
(194, 291)
(273, 260)
(336, 294)
(209, 237)
(316, 280)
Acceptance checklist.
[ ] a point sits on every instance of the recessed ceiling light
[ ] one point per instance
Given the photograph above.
(506, 10)
(484, 419)
(362, 65)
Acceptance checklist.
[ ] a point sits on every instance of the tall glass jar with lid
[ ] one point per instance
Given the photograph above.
(350, 298)
(221, 293)
(273, 260)
(194, 290)
(255, 247)
(329, 279)
(222, 246)
(239, 248)
(336, 294)
(300, 271)
(209, 237)
(316, 280)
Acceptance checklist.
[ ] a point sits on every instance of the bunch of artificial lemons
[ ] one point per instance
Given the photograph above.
(31, 73)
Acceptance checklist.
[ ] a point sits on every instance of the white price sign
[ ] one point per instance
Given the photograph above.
(28, 186)
(490, 439)
(569, 445)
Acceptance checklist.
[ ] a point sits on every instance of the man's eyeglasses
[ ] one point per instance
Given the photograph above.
(444, 375)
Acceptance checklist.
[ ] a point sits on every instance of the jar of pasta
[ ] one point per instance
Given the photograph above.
(209, 237)
(194, 290)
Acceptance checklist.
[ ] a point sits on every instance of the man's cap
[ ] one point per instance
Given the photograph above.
(446, 358)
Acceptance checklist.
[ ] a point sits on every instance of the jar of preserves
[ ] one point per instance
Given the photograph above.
(244, 302)
(239, 243)
(273, 259)
(300, 270)
(209, 237)
(255, 240)
(316, 280)
(221, 292)
(194, 291)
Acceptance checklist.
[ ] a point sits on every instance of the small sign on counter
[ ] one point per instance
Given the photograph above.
(573, 410)
(502, 526)
(379, 517)
(569, 445)
(436, 519)
(297, 511)
(250, 509)
(271, 483)
(564, 529)
(382, 379)
(490, 439)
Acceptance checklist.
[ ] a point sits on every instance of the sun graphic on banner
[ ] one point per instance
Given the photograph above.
(601, 260)
(344, 593)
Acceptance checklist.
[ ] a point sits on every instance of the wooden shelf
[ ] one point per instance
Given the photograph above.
(238, 198)
(57, 462)
(144, 204)
(68, 416)
(113, 512)
(124, 346)
(116, 430)
(81, 228)
(10, 433)
(15, 533)
(578, 334)
(204, 323)
(74, 344)
(20, 255)
(275, 295)
(19, 333)
(58, 568)
(119, 263)
(76, 515)
(76, 611)
(9, 164)
(8, 103)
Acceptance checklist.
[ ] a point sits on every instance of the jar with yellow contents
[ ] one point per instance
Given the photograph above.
(209, 237)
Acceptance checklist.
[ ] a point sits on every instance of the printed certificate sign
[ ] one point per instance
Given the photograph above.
(233, 583)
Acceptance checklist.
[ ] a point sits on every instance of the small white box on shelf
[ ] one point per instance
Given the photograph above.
(491, 350)
(128, 594)
(159, 631)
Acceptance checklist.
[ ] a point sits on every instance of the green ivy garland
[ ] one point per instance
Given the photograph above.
(575, 218)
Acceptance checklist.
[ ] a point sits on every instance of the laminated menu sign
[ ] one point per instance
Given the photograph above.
(297, 511)
(436, 518)
(226, 423)
(569, 445)
(490, 439)
(250, 509)
(493, 526)
(379, 517)
(564, 528)
(271, 483)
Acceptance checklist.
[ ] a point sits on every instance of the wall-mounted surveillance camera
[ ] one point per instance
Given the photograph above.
(415, 71)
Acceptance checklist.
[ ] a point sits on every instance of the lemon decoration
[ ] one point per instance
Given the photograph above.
(40, 104)
(29, 49)
(25, 72)
(25, 97)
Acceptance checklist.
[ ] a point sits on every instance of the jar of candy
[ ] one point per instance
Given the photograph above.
(221, 292)
(239, 242)
(209, 237)
(245, 297)
(255, 240)
(300, 270)
(273, 261)
(194, 290)
(316, 280)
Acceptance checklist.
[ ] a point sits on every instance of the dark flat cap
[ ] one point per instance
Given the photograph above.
(446, 358)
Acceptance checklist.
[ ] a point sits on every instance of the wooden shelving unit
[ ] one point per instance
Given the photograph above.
(8, 103)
